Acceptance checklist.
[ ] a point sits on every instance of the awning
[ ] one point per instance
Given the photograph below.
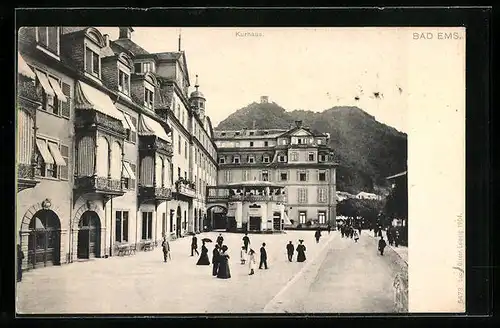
(54, 150)
(128, 172)
(57, 89)
(44, 81)
(44, 151)
(128, 119)
(88, 97)
(286, 218)
(23, 68)
(148, 126)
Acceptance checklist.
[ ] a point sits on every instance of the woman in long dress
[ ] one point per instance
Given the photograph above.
(224, 272)
(301, 252)
(203, 260)
(251, 261)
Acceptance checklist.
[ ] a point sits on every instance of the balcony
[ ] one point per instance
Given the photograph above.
(27, 96)
(26, 176)
(153, 144)
(88, 119)
(185, 188)
(225, 194)
(99, 185)
(150, 193)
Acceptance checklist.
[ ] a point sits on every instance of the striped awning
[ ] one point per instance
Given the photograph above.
(128, 172)
(44, 151)
(23, 68)
(148, 127)
(88, 97)
(56, 154)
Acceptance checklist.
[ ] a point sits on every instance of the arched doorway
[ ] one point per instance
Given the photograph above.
(89, 235)
(219, 217)
(179, 222)
(44, 239)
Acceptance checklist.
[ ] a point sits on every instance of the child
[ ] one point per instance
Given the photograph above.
(251, 261)
(242, 255)
(356, 235)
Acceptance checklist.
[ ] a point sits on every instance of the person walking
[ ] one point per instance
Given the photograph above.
(351, 232)
(356, 236)
(246, 242)
(329, 228)
(396, 238)
(203, 260)
(342, 230)
(381, 245)
(263, 257)
(224, 272)
(194, 246)
(165, 246)
(251, 261)
(390, 235)
(289, 250)
(215, 260)
(220, 240)
(317, 235)
(20, 257)
(243, 253)
(301, 251)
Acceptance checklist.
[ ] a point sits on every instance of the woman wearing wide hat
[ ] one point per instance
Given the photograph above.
(203, 260)
(224, 272)
(301, 251)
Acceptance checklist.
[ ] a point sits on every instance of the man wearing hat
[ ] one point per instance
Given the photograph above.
(263, 256)
(289, 250)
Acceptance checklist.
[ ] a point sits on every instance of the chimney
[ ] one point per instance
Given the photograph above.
(126, 32)
(298, 124)
(106, 40)
(264, 99)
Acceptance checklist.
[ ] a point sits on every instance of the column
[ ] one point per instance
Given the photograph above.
(103, 251)
(64, 245)
(74, 244)
(24, 236)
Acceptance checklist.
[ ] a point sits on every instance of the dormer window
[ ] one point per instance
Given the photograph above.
(237, 134)
(251, 159)
(123, 82)
(265, 159)
(251, 133)
(48, 38)
(236, 160)
(92, 62)
(222, 160)
(141, 68)
(148, 98)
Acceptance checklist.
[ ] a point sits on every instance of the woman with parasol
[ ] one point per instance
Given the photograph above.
(224, 272)
(301, 251)
(203, 260)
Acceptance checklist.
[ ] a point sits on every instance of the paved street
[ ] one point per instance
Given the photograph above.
(338, 276)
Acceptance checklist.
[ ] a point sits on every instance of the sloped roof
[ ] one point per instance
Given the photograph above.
(314, 133)
(168, 55)
(130, 46)
(72, 29)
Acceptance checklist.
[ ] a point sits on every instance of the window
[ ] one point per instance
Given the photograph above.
(321, 217)
(185, 149)
(138, 68)
(50, 160)
(266, 143)
(284, 176)
(302, 176)
(179, 145)
(295, 156)
(148, 98)
(92, 62)
(251, 159)
(196, 157)
(222, 160)
(311, 157)
(63, 170)
(123, 82)
(320, 141)
(265, 176)
(265, 159)
(131, 131)
(322, 158)
(237, 134)
(54, 98)
(245, 175)
(251, 143)
(322, 195)
(302, 195)
(283, 141)
(299, 141)
(227, 176)
(252, 133)
(236, 160)
(281, 158)
(147, 225)
(266, 132)
(223, 134)
(48, 38)
(147, 67)
(121, 227)
(129, 182)
(322, 176)
(302, 217)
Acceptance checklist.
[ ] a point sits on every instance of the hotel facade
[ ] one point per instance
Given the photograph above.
(112, 150)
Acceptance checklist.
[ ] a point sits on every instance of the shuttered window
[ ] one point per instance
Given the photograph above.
(63, 170)
(66, 106)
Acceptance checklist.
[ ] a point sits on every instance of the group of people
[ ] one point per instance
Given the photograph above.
(301, 251)
(393, 236)
(349, 231)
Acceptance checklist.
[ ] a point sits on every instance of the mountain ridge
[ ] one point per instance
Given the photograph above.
(367, 150)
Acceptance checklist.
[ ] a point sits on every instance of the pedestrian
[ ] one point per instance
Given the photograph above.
(215, 260)
(342, 231)
(351, 232)
(390, 236)
(263, 256)
(224, 272)
(317, 235)
(165, 246)
(194, 246)
(246, 242)
(381, 245)
(289, 250)
(329, 228)
(220, 240)
(20, 257)
(301, 251)
(243, 253)
(359, 228)
(356, 236)
(251, 261)
(396, 238)
(203, 260)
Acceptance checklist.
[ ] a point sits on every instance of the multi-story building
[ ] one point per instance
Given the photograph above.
(297, 158)
(112, 150)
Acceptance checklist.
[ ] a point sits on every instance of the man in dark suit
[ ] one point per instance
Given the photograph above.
(263, 256)
(289, 251)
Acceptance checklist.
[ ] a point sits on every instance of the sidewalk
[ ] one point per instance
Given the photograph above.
(402, 251)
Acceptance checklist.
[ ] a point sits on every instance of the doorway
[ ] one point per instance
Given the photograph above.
(89, 231)
(179, 222)
(255, 223)
(44, 239)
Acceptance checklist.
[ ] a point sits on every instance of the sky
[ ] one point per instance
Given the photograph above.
(298, 68)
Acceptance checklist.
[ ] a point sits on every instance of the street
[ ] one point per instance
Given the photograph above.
(339, 275)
